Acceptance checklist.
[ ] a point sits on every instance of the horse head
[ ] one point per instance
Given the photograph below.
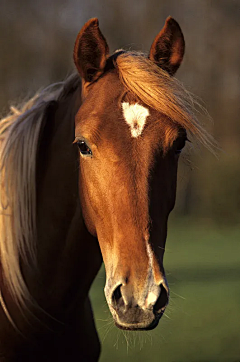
(130, 130)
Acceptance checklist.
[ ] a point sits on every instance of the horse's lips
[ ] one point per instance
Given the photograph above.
(150, 327)
(137, 326)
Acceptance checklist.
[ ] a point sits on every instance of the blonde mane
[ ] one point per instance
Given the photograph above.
(163, 93)
(19, 136)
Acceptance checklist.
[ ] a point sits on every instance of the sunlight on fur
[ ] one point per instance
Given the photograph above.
(162, 92)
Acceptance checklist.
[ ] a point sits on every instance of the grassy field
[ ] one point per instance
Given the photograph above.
(202, 322)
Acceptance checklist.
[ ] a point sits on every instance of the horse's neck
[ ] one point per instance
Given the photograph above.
(68, 256)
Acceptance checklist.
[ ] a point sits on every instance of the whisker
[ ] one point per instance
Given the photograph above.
(116, 343)
(178, 295)
(165, 314)
(107, 332)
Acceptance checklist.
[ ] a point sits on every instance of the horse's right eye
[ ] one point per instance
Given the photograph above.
(84, 148)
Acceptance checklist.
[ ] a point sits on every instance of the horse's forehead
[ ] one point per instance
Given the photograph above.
(109, 97)
(109, 106)
(119, 102)
(106, 91)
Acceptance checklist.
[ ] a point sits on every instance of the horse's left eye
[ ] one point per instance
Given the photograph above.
(180, 143)
(83, 148)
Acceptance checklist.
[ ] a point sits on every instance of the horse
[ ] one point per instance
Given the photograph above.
(88, 174)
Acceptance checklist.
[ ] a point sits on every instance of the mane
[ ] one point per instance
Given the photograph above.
(19, 138)
(162, 92)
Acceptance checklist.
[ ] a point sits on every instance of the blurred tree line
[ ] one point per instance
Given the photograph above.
(36, 43)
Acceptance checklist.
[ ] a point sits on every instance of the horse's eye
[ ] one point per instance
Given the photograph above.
(180, 143)
(84, 149)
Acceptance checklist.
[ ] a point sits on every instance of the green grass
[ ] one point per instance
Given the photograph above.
(202, 322)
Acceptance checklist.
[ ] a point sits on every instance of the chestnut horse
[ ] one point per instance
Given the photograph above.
(88, 172)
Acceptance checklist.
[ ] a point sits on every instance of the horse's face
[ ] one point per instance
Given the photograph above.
(128, 170)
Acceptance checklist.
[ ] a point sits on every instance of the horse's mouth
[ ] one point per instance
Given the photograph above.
(141, 326)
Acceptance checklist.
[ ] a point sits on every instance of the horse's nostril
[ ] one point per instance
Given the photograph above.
(162, 300)
(117, 295)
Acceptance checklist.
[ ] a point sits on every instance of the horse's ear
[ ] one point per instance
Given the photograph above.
(90, 51)
(167, 50)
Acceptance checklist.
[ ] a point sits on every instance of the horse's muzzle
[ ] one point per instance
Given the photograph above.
(137, 311)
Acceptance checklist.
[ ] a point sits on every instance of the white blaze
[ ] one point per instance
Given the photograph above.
(153, 293)
(135, 116)
(150, 256)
